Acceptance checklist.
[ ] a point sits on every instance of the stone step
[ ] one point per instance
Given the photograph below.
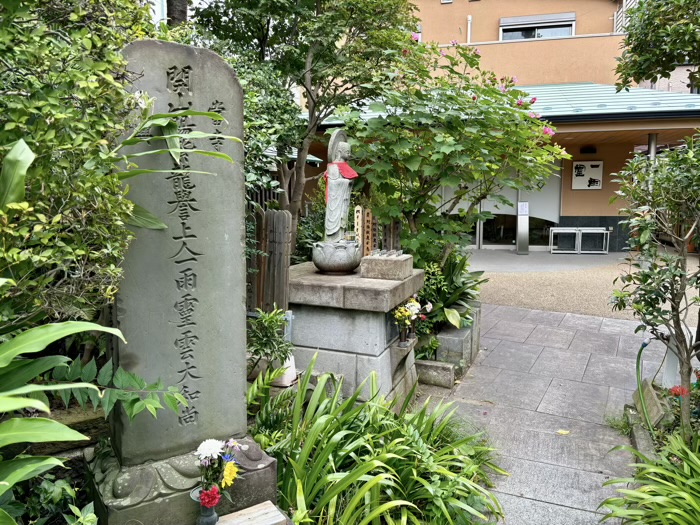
(262, 514)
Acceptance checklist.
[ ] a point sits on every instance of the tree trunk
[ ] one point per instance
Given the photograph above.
(297, 191)
(177, 12)
(686, 372)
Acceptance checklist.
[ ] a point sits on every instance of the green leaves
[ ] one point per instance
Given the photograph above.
(663, 490)
(351, 461)
(142, 218)
(37, 339)
(35, 430)
(448, 136)
(14, 169)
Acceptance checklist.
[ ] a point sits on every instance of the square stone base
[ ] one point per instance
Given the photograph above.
(396, 373)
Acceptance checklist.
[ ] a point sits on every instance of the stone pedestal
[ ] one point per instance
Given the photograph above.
(346, 320)
(460, 346)
(158, 492)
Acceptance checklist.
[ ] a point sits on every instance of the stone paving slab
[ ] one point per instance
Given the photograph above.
(551, 336)
(542, 389)
(595, 342)
(524, 511)
(510, 331)
(562, 364)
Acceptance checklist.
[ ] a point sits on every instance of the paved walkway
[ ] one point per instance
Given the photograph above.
(540, 373)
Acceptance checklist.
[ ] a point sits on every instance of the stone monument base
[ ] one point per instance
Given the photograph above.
(346, 320)
(158, 492)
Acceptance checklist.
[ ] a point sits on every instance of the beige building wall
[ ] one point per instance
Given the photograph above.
(588, 56)
(678, 81)
(594, 203)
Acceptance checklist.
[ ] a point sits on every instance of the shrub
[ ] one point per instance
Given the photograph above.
(450, 288)
(266, 339)
(353, 462)
(664, 491)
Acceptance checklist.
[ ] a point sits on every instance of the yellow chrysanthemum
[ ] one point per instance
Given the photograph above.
(230, 473)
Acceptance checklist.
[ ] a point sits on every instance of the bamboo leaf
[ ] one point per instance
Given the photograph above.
(142, 218)
(36, 339)
(14, 170)
(36, 430)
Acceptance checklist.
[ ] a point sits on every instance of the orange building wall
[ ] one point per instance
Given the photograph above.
(579, 58)
(444, 22)
(590, 59)
(594, 203)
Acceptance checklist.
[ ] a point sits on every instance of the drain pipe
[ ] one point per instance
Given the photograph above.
(469, 29)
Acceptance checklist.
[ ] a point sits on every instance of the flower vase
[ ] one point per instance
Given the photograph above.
(403, 336)
(207, 515)
(412, 331)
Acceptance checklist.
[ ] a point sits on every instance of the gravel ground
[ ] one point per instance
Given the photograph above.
(557, 289)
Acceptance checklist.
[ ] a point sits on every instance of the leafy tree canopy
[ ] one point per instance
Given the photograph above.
(330, 49)
(447, 136)
(661, 35)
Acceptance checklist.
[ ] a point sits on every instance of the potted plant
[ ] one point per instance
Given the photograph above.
(267, 344)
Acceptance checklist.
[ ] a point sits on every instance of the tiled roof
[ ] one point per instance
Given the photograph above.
(588, 99)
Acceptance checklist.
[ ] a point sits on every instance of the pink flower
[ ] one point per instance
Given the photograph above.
(531, 115)
(519, 102)
(502, 88)
(443, 52)
(415, 37)
(477, 51)
(210, 498)
(533, 100)
(514, 80)
(548, 131)
(454, 43)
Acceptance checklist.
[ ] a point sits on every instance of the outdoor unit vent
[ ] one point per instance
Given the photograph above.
(445, 1)
(586, 150)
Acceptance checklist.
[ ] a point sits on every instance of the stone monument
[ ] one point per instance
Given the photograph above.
(336, 254)
(181, 306)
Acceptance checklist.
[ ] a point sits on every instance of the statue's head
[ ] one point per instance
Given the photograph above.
(338, 147)
(342, 152)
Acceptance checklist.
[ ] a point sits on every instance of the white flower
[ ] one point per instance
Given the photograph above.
(210, 448)
(429, 307)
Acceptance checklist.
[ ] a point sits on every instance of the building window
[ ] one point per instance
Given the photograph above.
(542, 26)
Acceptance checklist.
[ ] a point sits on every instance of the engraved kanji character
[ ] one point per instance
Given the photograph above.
(184, 251)
(185, 233)
(190, 395)
(190, 370)
(593, 182)
(188, 416)
(172, 108)
(179, 79)
(185, 308)
(217, 142)
(187, 280)
(579, 170)
(186, 344)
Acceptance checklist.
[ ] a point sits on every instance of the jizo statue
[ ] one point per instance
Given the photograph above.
(339, 180)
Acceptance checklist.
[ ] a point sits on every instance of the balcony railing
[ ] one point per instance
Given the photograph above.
(620, 18)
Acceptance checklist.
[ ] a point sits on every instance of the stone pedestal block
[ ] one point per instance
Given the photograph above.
(158, 493)
(460, 346)
(386, 267)
(346, 320)
(262, 514)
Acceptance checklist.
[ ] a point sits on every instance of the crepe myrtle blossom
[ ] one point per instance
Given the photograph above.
(415, 37)
(520, 102)
(531, 114)
(548, 131)
(477, 51)
(533, 100)
(454, 43)
(443, 52)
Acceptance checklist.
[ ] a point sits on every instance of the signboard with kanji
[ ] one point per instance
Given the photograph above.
(587, 175)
